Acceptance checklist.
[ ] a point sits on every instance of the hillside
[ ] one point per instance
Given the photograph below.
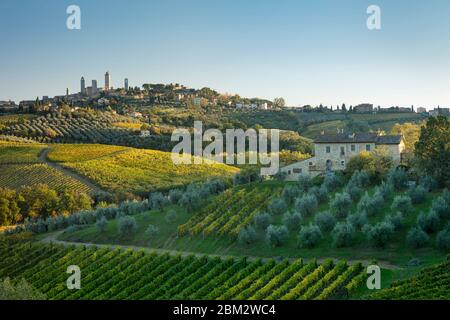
(128, 170)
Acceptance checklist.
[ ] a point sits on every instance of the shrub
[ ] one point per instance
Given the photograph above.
(443, 239)
(359, 179)
(277, 206)
(380, 234)
(402, 204)
(263, 220)
(417, 194)
(341, 204)
(191, 200)
(127, 226)
(386, 190)
(441, 207)
(417, 238)
(428, 222)
(101, 224)
(151, 232)
(354, 191)
(371, 204)
(175, 195)
(428, 183)
(247, 235)
(333, 181)
(171, 216)
(304, 183)
(446, 196)
(358, 219)
(157, 201)
(398, 178)
(306, 205)
(276, 235)
(290, 192)
(343, 234)
(321, 193)
(309, 236)
(396, 219)
(292, 221)
(325, 220)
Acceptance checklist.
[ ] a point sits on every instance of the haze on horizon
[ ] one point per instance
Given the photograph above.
(309, 52)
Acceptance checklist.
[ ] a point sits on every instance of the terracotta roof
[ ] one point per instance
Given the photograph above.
(358, 138)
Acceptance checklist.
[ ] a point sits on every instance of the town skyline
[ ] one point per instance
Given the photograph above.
(305, 52)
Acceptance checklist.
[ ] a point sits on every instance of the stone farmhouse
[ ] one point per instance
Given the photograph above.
(332, 152)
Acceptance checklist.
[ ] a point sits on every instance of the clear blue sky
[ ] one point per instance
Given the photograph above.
(308, 52)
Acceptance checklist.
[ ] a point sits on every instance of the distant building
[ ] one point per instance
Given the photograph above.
(439, 111)
(83, 86)
(126, 84)
(107, 81)
(332, 152)
(363, 108)
(421, 110)
(8, 106)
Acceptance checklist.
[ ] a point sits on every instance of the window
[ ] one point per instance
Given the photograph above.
(328, 149)
(298, 170)
(310, 163)
(367, 147)
(343, 163)
(353, 147)
(342, 151)
(289, 171)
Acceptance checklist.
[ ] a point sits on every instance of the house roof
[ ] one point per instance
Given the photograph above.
(358, 138)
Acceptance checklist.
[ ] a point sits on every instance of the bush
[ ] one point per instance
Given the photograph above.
(276, 235)
(398, 178)
(101, 224)
(402, 204)
(341, 204)
(417, 194)
(371, 204)
(441, 207)
(277, 206)
(358, 220)
(292, 221)
(333, 181)
(428, 183)
(428, 222)
(386, 190)
(263, 220)
(417, 238)
(247, 235)
(325, 220)
(343, 234)
(157, 201)
(171, 216)
(446, 196)
(380, 234)
(396, 219)
(151, 232)
(321, 193)
(175, 196)
(290, 192)
(443, 239)
(191, 200)
(359, 179)
(309, 236)
(127, 226)
(304, 183)
(306, 205)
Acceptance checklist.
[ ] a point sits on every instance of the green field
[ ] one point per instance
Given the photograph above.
(15, 176)
(138, 171)
(115, 274)
(15, 153)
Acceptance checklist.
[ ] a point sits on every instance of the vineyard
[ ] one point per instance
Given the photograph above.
(231, 211)
(79, 127)
(432, 283)
(115, 274)
(15, 176)
(15, 153)
(134, 170)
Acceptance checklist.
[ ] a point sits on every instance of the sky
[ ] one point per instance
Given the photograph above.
(309, 52)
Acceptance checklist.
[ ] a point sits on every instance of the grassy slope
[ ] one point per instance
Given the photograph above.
(138, 171)
(397, 252)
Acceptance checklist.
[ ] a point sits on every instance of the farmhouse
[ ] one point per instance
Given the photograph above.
(332, 152)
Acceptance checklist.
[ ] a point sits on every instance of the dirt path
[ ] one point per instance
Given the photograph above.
(43, 158)
(53, 238)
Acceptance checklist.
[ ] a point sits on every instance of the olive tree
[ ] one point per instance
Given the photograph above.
(309, 236)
